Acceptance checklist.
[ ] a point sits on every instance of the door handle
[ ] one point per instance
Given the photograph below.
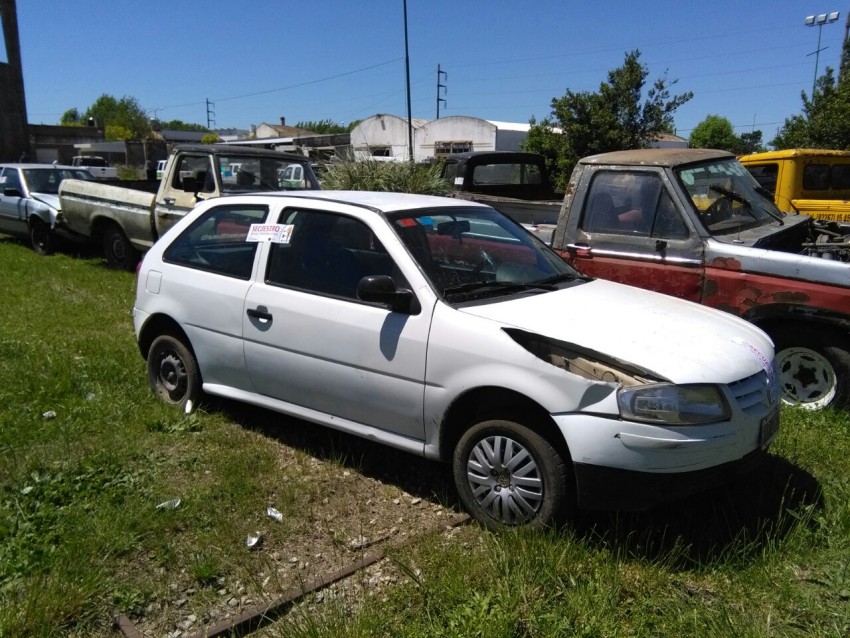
(259, 313)
(580, 250)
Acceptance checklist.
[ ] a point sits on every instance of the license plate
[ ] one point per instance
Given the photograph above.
(768, 429)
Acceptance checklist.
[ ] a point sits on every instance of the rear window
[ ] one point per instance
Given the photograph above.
(216, 241)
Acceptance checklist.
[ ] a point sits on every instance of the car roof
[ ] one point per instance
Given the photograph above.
(378, 201)
(795, 152)
(657, 156)
(31, 165)
(239, 150)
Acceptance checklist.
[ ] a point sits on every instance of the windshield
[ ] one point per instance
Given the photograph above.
(472, 253)
(240, 174)
(727, 198)
(47, 180)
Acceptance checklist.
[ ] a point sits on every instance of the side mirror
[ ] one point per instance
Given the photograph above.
(382, 289)
(12, 192)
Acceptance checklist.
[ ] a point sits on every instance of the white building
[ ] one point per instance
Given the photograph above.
(385, 137)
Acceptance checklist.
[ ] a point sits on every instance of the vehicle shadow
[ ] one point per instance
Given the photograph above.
(737, 520)
(413, 474)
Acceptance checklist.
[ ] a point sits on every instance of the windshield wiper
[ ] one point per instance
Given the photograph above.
(547, 284)
(737, 197)
(761, 190)
(729, 194)
(501, 286)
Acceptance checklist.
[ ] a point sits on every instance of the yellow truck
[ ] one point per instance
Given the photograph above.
(809, 181)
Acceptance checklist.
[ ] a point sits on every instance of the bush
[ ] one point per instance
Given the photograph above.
(395, 177)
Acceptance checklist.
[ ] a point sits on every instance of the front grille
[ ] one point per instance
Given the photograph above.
(752, 393)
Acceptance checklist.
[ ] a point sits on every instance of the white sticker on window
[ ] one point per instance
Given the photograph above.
(274, 233)
(458, 181)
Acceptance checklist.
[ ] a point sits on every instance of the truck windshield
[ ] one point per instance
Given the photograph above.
(241, 174)
(476, 253)
(727, 198)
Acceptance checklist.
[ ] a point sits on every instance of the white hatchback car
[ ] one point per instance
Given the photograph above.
(442, 328)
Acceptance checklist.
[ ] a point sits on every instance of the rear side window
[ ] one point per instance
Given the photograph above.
(840, 176)
(816, 177)
(216, 241)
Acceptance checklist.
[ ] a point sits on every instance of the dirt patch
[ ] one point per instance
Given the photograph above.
(359, 498)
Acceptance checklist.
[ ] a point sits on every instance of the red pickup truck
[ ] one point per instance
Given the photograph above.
(693, 223)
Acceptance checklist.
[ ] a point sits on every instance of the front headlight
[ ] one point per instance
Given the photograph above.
(673, 404)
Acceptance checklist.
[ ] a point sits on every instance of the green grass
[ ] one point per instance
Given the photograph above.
(87, 454)
(768, 557)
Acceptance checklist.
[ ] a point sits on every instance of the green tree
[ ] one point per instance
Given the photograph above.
(611, 119)
(210, 138)
(715, 131)
(180, 125)
(825, 119)
(71, 117)
(322, 127)
(122, 119)
(751, 143)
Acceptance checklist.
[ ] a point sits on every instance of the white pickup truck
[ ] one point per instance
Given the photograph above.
(127, 221)
(97, 166)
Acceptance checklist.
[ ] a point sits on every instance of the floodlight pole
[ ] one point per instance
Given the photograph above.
(818, 21)
(407, 71)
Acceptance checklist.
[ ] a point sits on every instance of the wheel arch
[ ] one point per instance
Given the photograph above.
(493, 402)
(776, 318)
(158, 325)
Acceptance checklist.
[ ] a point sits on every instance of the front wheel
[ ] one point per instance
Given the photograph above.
(42, 238)
(173, 372)
(814, 369)
(508, 475)
(118, 250)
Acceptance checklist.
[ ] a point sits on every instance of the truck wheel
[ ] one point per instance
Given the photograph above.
(814, 369)
(508, 475)
(173, 372)
(118, 250)
(42, 238)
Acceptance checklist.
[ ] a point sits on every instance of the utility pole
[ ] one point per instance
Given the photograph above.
(440, 76)
(407, 70)
(210, 114)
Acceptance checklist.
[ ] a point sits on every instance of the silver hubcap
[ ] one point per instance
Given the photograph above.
(172, 376)
(807, 378)
(505, 480)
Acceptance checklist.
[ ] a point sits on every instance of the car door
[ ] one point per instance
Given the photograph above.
(311, 342)
(191, 180)
(208, 270)
(631, 231)
(13, 208)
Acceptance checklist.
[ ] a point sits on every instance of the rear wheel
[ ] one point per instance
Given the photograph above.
(814, 369)
(118, 250)
(508, 475)
(42, 238)
(173, 372)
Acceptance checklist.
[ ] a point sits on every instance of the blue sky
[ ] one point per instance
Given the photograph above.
(259, 60)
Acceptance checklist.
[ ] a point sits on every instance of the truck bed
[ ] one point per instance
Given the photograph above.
(85, 205)
(522, 211)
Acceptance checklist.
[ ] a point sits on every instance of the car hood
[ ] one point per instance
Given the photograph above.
(677, 340)
(47, 198)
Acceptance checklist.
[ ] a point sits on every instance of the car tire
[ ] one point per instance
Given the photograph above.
(814, 368)
(41, 237)
(173, 372)
(118, 250)
(508, 475)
